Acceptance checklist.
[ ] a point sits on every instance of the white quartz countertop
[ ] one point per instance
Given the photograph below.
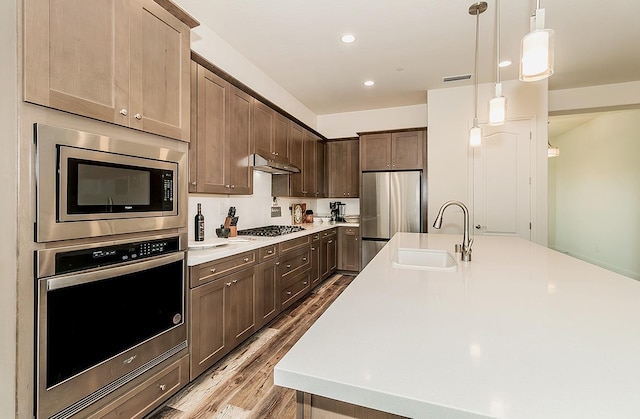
(521, 331)
(221, 248)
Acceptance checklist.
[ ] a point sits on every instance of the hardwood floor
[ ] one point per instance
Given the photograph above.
(241, 384)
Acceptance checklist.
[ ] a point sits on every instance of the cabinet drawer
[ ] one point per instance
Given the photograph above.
(295, 290)
(148, 395)
(293, 263)
(269, 252)
(350, 231)
(328, 233)
(315, 237)
(293, 244)
(207, 272)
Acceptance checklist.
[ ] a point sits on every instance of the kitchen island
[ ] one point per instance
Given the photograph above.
(521, 331)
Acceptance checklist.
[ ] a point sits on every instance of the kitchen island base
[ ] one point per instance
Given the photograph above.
(312, 406)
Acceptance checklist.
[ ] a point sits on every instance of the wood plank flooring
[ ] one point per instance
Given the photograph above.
(240, 385)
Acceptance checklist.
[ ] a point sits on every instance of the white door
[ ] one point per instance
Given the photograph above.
(502, 180)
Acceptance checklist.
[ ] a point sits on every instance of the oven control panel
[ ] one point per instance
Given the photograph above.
(95, 257)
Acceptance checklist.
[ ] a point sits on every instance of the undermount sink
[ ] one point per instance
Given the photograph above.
(424, 259)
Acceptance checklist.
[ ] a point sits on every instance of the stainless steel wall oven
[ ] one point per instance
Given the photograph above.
(90, 185)
(106, 313)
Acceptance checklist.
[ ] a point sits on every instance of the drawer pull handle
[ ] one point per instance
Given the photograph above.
(288, 292)
(228, 284)
(330, 241)
(235, 281)
(162, 387)
(288, 266)
(246, 259)
(304, 259)
(213, 270)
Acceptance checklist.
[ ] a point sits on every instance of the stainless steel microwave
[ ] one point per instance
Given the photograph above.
(90, 185)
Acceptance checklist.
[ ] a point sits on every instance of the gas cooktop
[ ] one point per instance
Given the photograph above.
(270, 231)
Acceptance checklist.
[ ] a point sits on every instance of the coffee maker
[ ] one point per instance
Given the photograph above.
(337, 211)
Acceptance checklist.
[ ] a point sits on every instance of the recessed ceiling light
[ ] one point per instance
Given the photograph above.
(348, 38)
(505, 63)
(369, 83)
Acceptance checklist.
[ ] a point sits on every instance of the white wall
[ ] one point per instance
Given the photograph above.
(595, 97)
(8, 211)
(209, 45)
(450, 115)
(594, 188)
(348, 124)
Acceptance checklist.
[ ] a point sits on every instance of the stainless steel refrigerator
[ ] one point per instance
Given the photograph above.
(390, 202)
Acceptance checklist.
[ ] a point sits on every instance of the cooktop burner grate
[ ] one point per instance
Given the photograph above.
(270, 231)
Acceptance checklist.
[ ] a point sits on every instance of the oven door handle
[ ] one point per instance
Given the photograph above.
(77, 278)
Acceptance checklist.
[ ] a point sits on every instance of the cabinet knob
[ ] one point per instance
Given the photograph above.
(193, 183)
(288, 292)
(478, 226)
(163, 387)
(313, 248)
(269, 251)
(213, 270)
(124, 112)
(277, 154)
(288, 266)
(235, 281)
(228, 284)
(330, 241)
(277, 263)
(233, 186)
(304, 283)
(246, 259)
(226, 186)
(304, 259)
(137, 116)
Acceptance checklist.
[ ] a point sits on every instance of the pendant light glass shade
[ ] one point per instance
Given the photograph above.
(475, 135)
(536, 53)
(497, 107)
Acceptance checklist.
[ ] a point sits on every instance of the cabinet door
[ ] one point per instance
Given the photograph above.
(77, 57)
(207, 335)
(321, 191)
(351, 253)
(211, 138)
(239, 167)
(328, 261)
(240, 308)
(352, 175)
(309, 165)
(296, 138)
(315, 263)
(159, 68)
(267, 304)
(335, 168)
(281, 138)
(407, 149)
(263, 129)
(375, 152)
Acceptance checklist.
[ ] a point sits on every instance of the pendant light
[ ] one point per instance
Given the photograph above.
(552, 151)
(475, 133)
(536, 53)
(497, 105)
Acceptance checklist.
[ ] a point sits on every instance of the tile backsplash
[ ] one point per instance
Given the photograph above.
(255, 210)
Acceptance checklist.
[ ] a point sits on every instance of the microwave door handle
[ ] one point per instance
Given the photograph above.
(109, 204)
(78, 278)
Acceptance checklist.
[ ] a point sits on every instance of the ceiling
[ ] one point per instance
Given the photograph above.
(407, 46)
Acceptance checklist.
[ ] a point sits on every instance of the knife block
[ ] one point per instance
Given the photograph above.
(233, 229)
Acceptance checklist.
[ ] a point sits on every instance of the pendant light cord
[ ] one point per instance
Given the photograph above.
(498, 41)
(475, 67)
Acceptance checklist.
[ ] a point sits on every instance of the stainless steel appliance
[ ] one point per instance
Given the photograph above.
(270, 231)
(106, 313)
(337, 211)
(390, 202)
(91, 185)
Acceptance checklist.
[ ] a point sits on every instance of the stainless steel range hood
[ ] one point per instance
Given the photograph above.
(263, 164)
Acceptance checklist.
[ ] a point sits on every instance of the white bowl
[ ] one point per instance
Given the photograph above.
(352, 218)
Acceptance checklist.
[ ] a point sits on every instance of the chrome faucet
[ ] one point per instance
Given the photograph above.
(466, 240)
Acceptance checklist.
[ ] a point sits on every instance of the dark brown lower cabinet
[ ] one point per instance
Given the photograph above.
(267, 301)
(328, 253)
(222, 315)
(315, 260)
(349, 244)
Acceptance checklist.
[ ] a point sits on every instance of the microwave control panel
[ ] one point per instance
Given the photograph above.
(96, 257)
